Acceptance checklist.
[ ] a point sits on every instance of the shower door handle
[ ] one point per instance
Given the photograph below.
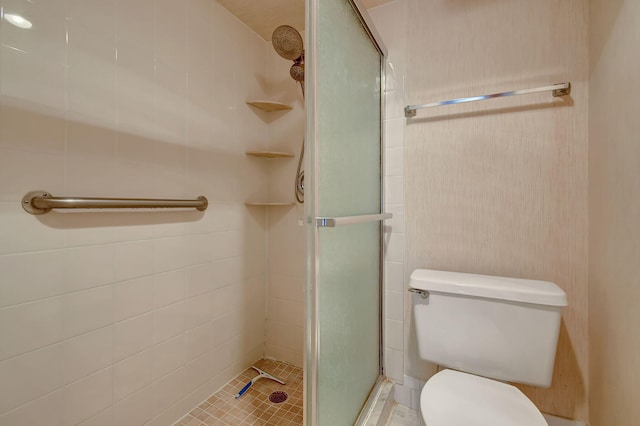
(332, 222)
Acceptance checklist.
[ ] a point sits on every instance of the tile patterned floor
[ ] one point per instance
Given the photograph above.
(403, 416)
(254, 407)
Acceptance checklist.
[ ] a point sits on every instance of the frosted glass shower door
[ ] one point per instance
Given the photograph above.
(343, 207)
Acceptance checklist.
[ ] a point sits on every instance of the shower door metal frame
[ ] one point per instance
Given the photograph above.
(312, 344)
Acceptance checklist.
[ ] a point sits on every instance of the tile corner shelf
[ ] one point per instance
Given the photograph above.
(269, 106)
(270, 154)
(259, 203)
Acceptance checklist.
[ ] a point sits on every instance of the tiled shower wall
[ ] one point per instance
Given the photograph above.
(128, 317)
(390, 21)
(286, 246)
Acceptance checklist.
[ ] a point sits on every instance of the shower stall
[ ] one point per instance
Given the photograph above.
(124, 316)
(343, 207)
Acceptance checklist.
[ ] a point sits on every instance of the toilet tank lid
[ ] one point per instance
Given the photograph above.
(487, 286)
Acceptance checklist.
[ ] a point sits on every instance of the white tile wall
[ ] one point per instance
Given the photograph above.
(286, 238)
(86, 310)
(132, 374)
(88, 396)
(132, 336)
(87, 353)
(168, 356)
(29, 376)
(132, 298)
(136, 409)
(169, 389)
(40, 324)
(113, 318)
(33, 412)
(390, 21)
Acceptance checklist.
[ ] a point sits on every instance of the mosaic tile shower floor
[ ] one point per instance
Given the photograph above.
(254, 407)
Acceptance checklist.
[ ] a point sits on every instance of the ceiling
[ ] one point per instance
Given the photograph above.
(263, 16)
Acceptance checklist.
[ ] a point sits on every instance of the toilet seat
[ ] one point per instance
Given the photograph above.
(453, 398)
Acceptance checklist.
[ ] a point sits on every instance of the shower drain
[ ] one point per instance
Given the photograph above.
(278, 397)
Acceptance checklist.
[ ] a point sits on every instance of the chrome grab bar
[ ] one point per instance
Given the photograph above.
(332, 222)
(561, 89)
(41, 202)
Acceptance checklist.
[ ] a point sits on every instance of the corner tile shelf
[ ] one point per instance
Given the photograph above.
(258, 203)
(269, 106)
(269, 154)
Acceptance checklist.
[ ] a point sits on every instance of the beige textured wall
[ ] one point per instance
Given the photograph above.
(500, 187)
(614, 209)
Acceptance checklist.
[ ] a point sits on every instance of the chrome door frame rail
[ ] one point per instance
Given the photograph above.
(561, 89)
(41, 202)
(332, 222)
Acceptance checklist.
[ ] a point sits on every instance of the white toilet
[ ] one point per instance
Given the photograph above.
(486, 330)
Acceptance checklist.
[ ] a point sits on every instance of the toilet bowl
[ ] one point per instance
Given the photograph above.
(454, 398)
(486, 330)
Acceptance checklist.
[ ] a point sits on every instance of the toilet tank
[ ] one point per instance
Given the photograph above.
(501, 328)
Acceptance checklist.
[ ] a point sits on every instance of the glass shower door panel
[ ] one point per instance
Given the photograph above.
(347, 160)
(348, 151)
(348, 364)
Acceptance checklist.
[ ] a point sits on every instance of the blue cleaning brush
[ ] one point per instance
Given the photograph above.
(261, 375)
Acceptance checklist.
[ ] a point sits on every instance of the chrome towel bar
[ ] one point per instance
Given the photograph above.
(331, 222)
(562, 89)
(41, 202)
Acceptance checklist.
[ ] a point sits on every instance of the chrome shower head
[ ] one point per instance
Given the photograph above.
(297, 71)
(287, 41)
